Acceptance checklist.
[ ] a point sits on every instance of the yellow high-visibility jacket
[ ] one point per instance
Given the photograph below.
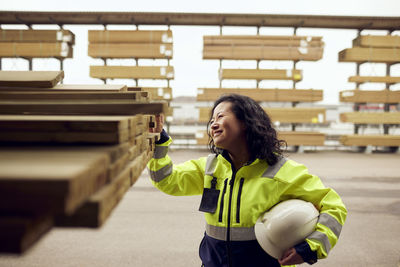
(247, 193)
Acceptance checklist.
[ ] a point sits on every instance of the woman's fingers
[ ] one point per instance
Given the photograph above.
(159, 123)
(290, 257)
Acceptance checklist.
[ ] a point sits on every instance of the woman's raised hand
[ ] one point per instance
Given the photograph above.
(159, 124)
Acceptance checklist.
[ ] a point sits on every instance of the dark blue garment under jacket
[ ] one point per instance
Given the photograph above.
(214, 253)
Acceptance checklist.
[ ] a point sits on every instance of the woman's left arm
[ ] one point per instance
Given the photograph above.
(296, 182)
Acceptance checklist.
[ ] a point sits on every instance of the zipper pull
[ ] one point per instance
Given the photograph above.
(214, 183)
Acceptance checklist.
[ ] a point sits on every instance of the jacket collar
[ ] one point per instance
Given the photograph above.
(226, 156)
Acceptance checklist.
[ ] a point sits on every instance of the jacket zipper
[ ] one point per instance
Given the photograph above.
(228, 232)
(221, 205)
(238, 200)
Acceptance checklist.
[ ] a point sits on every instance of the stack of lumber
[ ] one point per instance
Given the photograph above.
(135, 44)
(370, 140)
(68, 166)
(372, 49)
(36, 43)
(157, 93)
(282, 115)
(263, 94)
(262, 47)
(261, 74)
(370, 96)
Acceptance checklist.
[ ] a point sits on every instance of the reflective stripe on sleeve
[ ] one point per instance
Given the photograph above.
(331, 223)
(160, 152)
(236, 233)
(322, 238)
(211, 164)
(273, 169)
(162, 173)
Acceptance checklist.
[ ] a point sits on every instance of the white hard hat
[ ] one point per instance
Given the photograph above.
(285, 225)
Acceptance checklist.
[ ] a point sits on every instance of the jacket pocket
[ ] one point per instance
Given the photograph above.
(238, 200)
(209, 200)
(221, 204)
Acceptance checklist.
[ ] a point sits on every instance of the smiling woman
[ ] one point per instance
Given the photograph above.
(244, 176)
(227, 132)
(247, 132)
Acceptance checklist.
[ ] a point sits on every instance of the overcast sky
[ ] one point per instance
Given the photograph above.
(191, 71)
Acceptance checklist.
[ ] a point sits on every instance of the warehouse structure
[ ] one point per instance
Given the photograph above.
(49, 121)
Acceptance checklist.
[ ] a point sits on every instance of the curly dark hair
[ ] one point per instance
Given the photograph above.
(261, 137)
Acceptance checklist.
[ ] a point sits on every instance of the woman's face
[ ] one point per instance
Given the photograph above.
(226, 130)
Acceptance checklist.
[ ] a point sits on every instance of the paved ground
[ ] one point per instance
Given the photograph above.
(149, 228)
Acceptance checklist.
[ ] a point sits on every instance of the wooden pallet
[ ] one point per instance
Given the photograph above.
(361, 96)
(30, 35)
(282, 115)
(261, 74)
(370, 140)
(370, 54)
(374, 79)
(383, 41)
(371, 117)
(129, 50)
(37, 79)
(271, 95)
(132, 72)
(36, 50)
(129, 36)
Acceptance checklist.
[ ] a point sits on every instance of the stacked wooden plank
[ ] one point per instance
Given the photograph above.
(157, 93)
(138, 44)
(261, 74)
(370, 96)
(262, 47)
(374, 79)
(36, 43)
(281, 115)
(58, 169)
(263, 94)
(372, 49)
(132, 72)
